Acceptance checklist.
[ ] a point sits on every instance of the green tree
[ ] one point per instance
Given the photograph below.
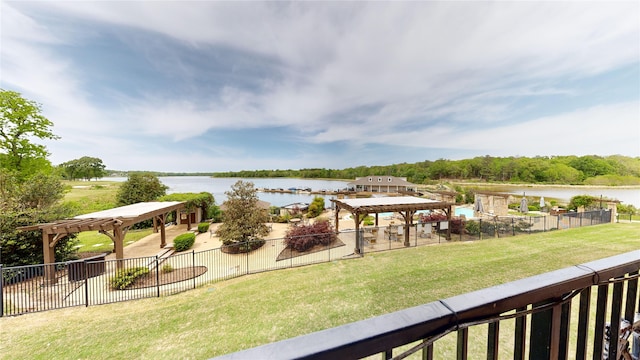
(26, 202)
(587, 201)
(86, 168)
(140, 187)
(592, 165)
(559, 173)
(20, 121)
(316, 207)
(243, 219)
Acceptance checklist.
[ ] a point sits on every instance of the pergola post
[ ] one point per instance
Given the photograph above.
(408, 221)
(163, 236)
(356, 219)
(49, 258)
(118, 244)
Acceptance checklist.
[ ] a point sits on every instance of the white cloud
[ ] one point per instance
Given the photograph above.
(394, 73)
(605, 129)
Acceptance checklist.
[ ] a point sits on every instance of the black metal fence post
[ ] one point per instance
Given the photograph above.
(158, 276)
(1, 292)
(193, 257)
(86, 283)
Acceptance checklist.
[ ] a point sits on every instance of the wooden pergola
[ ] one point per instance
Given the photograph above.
(113, 223)
(407, 206)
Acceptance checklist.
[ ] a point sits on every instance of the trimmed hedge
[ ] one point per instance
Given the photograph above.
(203, 227)
(184, 241)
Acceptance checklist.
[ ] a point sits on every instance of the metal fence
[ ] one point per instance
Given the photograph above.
(627, 217)
(474, 229)
(98, 280)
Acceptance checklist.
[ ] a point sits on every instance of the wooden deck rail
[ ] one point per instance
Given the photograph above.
(542, 300)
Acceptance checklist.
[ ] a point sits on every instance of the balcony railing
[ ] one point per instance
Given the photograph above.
(564, 314)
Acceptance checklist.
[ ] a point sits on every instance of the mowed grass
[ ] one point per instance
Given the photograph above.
(91, 196)
(262, 308)
(95, 242)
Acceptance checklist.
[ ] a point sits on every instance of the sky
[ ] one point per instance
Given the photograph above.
(210, 86)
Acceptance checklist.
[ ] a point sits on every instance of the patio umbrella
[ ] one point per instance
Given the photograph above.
(541, 202)
(478, 206)
(524, 205)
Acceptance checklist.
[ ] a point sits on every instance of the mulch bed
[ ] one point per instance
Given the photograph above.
(289, 253)
(177, 275)
(242, 248)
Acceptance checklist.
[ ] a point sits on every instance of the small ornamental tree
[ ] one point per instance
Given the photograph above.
(304, 237)
(316, 207)
(243, 219)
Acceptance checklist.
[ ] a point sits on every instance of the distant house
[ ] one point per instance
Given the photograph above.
(382, 184)
(193, 217)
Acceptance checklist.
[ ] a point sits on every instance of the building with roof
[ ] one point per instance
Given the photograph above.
(382, 184)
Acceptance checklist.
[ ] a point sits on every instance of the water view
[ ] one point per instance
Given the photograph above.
(218, 186)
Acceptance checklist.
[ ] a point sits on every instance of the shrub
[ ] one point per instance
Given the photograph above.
(432, 217)
(125, 277)
(472, 227)
(184, 241)
(203, 227)
(457, 225)
(304, 237)
(316, 207)
(167, 268)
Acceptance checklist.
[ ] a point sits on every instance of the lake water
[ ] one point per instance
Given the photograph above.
(218, 186)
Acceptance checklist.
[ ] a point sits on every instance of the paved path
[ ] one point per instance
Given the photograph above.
(150, 245)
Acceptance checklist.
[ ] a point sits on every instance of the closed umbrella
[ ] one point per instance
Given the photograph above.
(541, 202)
(524, 205)
(478, 206)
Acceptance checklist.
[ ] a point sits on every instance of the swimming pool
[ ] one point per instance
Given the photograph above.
(467, 212)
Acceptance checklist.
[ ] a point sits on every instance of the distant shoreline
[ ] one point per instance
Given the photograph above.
(550, 185)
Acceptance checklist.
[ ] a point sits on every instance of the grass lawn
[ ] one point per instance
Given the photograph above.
(91, 196)
(262, 308)
(96, 242)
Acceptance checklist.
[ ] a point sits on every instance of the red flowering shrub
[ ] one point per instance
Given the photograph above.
(432, 217)
(304, 237)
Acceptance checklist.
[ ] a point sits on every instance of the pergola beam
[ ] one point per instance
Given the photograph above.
(407, 206)
(117, 220)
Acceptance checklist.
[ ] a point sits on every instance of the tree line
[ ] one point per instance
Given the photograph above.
(573, 170)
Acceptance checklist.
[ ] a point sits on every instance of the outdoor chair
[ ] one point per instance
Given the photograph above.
(391, 232)
(374, 235)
